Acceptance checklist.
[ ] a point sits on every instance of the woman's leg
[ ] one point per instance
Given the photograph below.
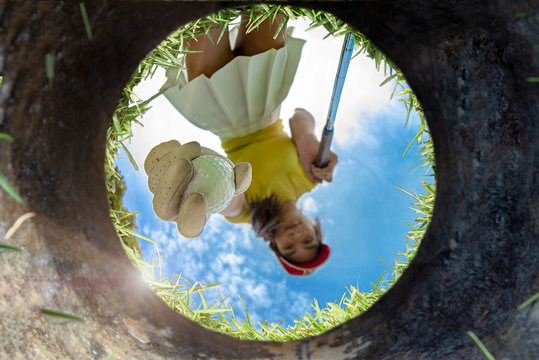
(213, 56)
(260, 39)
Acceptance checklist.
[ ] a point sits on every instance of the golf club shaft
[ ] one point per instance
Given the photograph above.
(327, 135)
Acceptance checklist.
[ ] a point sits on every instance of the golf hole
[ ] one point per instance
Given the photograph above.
(470, 287)
(227, 272)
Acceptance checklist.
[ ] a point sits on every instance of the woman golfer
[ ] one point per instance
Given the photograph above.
(236, 94)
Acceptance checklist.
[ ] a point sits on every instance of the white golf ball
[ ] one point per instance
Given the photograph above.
(214, 177)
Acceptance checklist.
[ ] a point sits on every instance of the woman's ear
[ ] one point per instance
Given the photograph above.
(273, 247)
(318, 230)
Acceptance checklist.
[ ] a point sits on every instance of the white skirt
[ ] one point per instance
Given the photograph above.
(242, 97)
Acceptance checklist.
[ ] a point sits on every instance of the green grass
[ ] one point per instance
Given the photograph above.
(49, 68)
(481, 346)
(178, 292)
(4, 183)
(61, 315)
(84, 15)
(529, 301)
(6, 247)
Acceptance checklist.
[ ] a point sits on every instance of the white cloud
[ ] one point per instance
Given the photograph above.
(214, 225)
(246, 236)
(198, 245)
(230, 239)
(232, 259)
(259, 294)
(309, 205)
(216, 267)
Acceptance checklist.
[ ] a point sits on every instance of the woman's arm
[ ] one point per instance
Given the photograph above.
(235, 207)
(302, 127)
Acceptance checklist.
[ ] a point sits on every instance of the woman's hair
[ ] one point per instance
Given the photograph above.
(265, 219)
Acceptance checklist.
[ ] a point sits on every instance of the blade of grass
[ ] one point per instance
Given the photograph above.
(130, 157)
(4, 184)
(481, 346)
(404, 191)
(405, 91)
(246, 312)
(410, 144)
(6, 137)
(10, 248)
(85, 21)
(140, 236)
(409, 105)
(60, 314)
(529, 301)
(386, 263)
(388, 79)
(49, 68)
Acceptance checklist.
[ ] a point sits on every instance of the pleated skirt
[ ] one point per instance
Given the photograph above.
(242, 97)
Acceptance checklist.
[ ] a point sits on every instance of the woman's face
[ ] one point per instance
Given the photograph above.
(296, 237)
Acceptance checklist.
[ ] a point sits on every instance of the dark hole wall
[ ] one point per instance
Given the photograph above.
(471, 63)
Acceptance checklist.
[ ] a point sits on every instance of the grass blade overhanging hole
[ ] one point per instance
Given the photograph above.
(227, 279)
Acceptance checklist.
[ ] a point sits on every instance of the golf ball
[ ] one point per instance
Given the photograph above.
(214, 177)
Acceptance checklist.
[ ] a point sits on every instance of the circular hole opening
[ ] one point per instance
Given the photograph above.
(362, 211)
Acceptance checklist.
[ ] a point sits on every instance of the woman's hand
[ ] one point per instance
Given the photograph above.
(302, 127)
(171, 175)
(308, 152)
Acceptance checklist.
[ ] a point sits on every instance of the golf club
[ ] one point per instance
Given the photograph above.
(327, 135)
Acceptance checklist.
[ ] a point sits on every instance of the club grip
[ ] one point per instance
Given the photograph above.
(323, 151)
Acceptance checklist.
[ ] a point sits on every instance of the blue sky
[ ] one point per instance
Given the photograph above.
(362, 212)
